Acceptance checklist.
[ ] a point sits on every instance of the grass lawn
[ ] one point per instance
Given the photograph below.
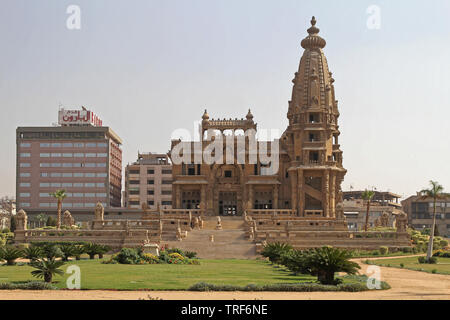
(95, 275)
(442, 266)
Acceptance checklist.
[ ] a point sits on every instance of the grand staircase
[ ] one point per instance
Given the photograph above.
(229, 243)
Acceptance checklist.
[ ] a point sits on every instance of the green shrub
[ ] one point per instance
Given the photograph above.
(175, 250)
(407, 249)
(422, 260)
(190, 254)
(375, 253)
(32, 253)
(47, 268)
(285, 287)
(128, 256)
(434, 271)
(10, 254)
(92, 249)
(52, 251)
(67, 250)
(31, 285)
(6, 230)
(150, 258)
(384, 250)
(274, 251)
(402, 265)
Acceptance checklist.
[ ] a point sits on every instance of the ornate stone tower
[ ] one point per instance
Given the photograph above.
(311, 139)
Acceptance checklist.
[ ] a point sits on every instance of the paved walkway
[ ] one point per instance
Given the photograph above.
(406, 284)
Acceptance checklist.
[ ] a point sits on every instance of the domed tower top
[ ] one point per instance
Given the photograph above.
(313, 40)
(313, 83)
(205, 115)
(249, 115)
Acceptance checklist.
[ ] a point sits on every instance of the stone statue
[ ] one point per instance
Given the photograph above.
(211, 238)
(384, 219)
(196, 223)
(219, 224)
(401, 222)
(22, 220)
(68, 220)
(378, 222)
(99, 212)
(179, 235)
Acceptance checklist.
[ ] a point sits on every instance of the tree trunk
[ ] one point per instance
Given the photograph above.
(58, 223)
(48, 277)
(367, 216)
(430, 243)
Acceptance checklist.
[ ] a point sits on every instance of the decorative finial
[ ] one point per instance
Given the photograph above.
(249, 115)
(313, 40)
(205, 115)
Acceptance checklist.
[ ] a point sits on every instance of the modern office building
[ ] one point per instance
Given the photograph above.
(420, 213)
(78, 155)
(149, 181)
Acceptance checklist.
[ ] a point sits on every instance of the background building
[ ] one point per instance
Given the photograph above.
(79, 155)
(149, 180)
(382, 202)
(420, 213)
(7, 210)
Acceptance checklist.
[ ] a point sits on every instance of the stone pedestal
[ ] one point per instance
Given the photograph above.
(152, 248)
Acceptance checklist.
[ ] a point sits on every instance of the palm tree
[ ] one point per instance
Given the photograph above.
(326, 261)
(435, 192)
(32, 253)
(42, 219)
(10, 254)
(46, 268)
(367, 195)
(59, 195)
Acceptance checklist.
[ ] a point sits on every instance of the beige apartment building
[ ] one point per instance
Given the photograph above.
(420, 213)
(355, 209)
(148, 181)
(82, 157)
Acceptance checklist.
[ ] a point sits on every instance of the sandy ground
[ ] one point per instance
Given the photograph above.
(406, 284)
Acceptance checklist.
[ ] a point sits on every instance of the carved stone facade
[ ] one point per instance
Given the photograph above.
(310, 172)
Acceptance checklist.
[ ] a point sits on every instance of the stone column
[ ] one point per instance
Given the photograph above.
(177, 196)
(250, 197)
(203, 198)
(275, 196)
(301, 193)
(293, 177)
(326, 193)
(333, 194)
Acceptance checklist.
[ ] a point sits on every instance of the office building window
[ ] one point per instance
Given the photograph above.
(25, 155)
(25, 184)
(25, 165)
(25, 174)
(25, 145)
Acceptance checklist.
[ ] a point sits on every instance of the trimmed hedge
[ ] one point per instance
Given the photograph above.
(286, 287)
(31, 285)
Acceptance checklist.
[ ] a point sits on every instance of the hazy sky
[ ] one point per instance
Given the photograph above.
(149, 67)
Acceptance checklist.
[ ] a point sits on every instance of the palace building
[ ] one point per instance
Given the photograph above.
(310, 171)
